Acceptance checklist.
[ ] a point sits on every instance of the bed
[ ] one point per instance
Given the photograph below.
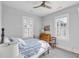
(32, 48)
(44, 48)
(27, 48)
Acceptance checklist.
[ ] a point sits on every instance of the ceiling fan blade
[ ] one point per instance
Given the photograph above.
(37, 6)
(47, 6)
(42, 4)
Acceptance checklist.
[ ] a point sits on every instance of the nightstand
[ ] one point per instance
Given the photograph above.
(53, 42)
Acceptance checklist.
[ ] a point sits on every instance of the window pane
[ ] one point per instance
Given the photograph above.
(27, 27)
(61, 27)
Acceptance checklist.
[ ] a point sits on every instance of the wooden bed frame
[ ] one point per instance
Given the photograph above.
(2, 36)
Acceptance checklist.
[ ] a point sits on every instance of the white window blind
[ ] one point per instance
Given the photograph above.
(27, 27)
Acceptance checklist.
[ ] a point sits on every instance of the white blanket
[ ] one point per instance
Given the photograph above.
(44, 47)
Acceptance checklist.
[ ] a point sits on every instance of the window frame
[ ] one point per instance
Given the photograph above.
(62, 16)
(27, 19)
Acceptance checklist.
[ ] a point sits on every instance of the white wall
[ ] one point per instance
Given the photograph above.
(48, 20)
(0, 18)
(12, 21)
(73, 42)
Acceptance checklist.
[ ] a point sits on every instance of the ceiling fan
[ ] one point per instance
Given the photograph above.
(43, 4)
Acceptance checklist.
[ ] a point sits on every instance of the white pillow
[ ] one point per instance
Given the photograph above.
(18, 40)
(21, 41)
(6, 40)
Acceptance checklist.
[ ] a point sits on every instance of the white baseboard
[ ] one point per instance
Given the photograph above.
(68, 49)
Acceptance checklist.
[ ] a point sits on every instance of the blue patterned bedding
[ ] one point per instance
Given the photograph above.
(30, 48)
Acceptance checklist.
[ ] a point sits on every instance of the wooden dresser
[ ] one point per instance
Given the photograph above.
(45, 37)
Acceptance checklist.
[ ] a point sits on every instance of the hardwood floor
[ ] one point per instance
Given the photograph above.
(59, 53)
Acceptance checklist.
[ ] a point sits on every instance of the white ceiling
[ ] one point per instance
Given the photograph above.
(27, 6)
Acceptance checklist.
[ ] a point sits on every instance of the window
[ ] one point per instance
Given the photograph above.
(27, 27)
(62, 27)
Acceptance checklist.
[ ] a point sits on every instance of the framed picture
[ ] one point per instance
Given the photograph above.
(47, 28)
